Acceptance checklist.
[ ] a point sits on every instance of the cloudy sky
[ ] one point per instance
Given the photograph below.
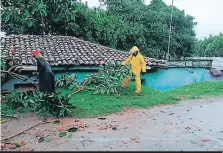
(208, 14)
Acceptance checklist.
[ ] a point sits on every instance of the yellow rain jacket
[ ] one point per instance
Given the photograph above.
(137, 65)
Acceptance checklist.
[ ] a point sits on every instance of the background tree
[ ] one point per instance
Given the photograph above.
(154, 21)
(211, 46)
(123, 24)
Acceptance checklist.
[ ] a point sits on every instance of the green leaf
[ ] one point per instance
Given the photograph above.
(26, 12)
(69, 134)
(6, 19)
(62, 111)
(43, 13)
(25, 104)
(102, 91)
(47, 139)
(108, 91)
(115, 90)
(56, 122)
(18, 144)
(96, 92)
(62, 134)
(73, 129)
(41, 139)
(41, 95)
(114, 128)
(70, 87)
(112, 90)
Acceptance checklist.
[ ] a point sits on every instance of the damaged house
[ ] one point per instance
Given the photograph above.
(65, 54)
(68, 55)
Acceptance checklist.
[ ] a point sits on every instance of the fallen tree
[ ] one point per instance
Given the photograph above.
(105, 81)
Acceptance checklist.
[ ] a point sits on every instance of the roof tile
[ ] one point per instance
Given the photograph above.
(62, 50)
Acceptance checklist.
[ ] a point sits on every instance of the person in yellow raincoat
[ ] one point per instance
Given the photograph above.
(138, 65)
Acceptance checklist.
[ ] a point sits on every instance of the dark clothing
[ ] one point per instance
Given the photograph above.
(46, 76)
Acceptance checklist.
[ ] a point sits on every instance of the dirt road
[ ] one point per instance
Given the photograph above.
(195, 125)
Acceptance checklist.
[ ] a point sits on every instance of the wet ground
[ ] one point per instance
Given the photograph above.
(195, 125)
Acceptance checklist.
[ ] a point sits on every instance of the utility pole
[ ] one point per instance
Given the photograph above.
(171, 17)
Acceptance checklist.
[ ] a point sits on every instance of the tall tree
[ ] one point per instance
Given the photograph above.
(154, 22)
(211, 46)
(123, 24)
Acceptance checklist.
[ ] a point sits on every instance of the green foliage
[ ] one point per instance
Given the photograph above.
(211, 47)
(4, 66)
(18, 144)
(3, 61)
(42, 103)
(106, 81)
(73, 129)
(67, 81)
(62, 134)
(19, 99)
(149, 27)
(42, 139)
(102, 105)
(7, 62)
(124, 24)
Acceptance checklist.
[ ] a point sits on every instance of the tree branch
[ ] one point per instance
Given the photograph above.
(24, 130)
(80, 89)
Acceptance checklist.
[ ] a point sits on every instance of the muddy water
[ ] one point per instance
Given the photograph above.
(189, 126)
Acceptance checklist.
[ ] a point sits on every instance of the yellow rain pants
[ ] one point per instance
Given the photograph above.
(137, 65)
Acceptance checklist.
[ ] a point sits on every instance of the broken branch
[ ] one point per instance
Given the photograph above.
(9, 116)
(24, 130)
(80, 89)
(17, 76)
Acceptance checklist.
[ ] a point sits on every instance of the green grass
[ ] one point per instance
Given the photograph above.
(90, 105)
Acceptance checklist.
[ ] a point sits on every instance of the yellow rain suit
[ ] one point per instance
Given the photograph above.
(137, 65)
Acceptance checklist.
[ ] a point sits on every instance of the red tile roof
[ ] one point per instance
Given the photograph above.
(62, 50)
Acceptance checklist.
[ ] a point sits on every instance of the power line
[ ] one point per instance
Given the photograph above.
(171, 18)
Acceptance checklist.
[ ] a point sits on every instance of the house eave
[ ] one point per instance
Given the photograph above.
(30, 68)
(61, 68)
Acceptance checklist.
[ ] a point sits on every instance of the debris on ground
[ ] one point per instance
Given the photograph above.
(137, 140)
(67, 123)
(114, 128)
(102, 118)
(106, 126)
(204, 140)
(19, 144)
(128, 109)
(7, 116)
(44, 139)
(69, 135)
(73, 129)
(24, 130)
(123, 142)
(62, 134)
(7, 146)
(103, 132)
(56, 122)
(10, 116)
